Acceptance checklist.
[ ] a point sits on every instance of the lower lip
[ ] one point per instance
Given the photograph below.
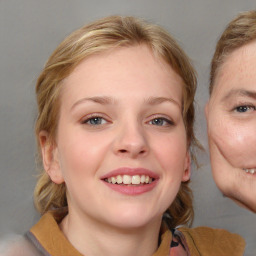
(132, 190)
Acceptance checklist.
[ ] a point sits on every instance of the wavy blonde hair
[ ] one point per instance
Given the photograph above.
(239, 32)
(97, 37)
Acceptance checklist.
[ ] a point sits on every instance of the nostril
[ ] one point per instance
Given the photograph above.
(131, 150)
(143, 152)
(125, 151)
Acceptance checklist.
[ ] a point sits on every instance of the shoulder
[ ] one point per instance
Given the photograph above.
(213, 241)
(16, 245)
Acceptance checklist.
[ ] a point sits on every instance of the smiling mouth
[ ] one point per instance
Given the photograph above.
(250, 170)
(130, 180)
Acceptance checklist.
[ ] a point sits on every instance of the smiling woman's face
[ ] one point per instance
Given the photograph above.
(121, 145)
(231, 117)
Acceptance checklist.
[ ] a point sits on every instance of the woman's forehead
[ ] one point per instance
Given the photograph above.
(125, 66)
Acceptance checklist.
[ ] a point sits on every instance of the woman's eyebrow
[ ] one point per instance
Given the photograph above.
(105, 100)
(159, 100)
(97, 99)
(239, 92)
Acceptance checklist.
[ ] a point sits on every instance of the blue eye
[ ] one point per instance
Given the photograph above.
(95, 121)
(244, 108)
(160, 121)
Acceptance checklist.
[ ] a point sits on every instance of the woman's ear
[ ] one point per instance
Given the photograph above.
(50, 158)
(187, 168)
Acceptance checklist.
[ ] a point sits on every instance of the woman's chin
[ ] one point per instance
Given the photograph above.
(134, 221)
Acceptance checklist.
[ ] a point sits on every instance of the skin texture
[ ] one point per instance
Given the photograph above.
(231, 117)
(136, 99)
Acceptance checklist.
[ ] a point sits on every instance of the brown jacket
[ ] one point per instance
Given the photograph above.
(48, 240)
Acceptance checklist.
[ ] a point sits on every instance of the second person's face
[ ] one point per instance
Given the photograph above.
(231, 115)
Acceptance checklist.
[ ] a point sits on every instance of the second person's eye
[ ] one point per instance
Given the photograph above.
(244, 108)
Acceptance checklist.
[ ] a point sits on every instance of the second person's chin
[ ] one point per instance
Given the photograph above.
(244, 198)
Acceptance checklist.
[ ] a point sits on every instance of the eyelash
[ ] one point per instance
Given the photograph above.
(243, 108)
(93, 117)
(163, 119)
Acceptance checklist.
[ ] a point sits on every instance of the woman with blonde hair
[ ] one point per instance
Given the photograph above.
(115, 128)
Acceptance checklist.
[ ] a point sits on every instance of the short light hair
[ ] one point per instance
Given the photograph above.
(239, 32)
(97, 37)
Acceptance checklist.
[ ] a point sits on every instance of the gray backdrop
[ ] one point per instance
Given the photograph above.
(31, 29)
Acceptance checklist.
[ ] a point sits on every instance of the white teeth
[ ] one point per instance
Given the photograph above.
(142, 179)
(119, 179)
(136, 179)
(128, 179)
(252, 171)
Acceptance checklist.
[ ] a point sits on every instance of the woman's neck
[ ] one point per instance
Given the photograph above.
(92, 238)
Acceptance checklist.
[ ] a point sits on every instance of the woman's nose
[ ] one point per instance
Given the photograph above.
(131, 141)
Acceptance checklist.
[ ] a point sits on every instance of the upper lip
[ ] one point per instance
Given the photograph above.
(130, 171)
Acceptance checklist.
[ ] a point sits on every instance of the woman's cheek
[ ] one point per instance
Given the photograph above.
(170, 151)
(236, 144)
